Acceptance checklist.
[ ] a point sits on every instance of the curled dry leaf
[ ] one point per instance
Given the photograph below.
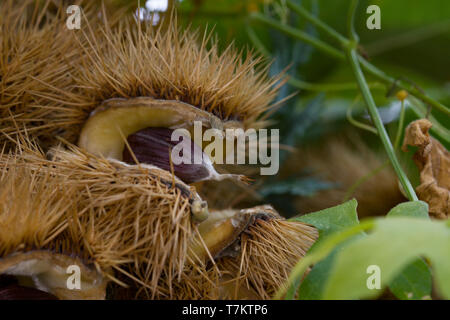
(433, 161)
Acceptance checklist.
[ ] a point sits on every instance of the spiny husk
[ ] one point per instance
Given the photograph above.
(211, 282)
(122, 218)
(269, 251)
(256, 263)
(37, 54)
(198, 282)
(54, 77)
(138, 60)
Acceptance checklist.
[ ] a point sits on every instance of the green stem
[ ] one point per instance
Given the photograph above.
(330, 86)
(437, 129)
(400, 126)
(376, 119)
(298, 34)
(326, 48)
(356, 62)
(380, 75)
(351, 21)
(408, 38)
(357, 123)
(317, 22)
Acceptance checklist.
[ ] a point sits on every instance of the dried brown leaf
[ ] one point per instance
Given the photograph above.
(433, 161)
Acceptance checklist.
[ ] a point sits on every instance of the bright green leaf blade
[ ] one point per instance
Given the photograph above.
(314, 283)
(393, 244)
(418, 209)
(333, 219)
(327, 221)
(414, 283)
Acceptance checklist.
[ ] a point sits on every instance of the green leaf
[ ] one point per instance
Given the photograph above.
(323, 249)
(418, 209)
(332, 219)
(393, 244)
(327, 222)
(415, 281)
(314, 283)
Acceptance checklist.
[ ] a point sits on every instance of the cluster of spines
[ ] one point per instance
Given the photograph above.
(53, 77)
